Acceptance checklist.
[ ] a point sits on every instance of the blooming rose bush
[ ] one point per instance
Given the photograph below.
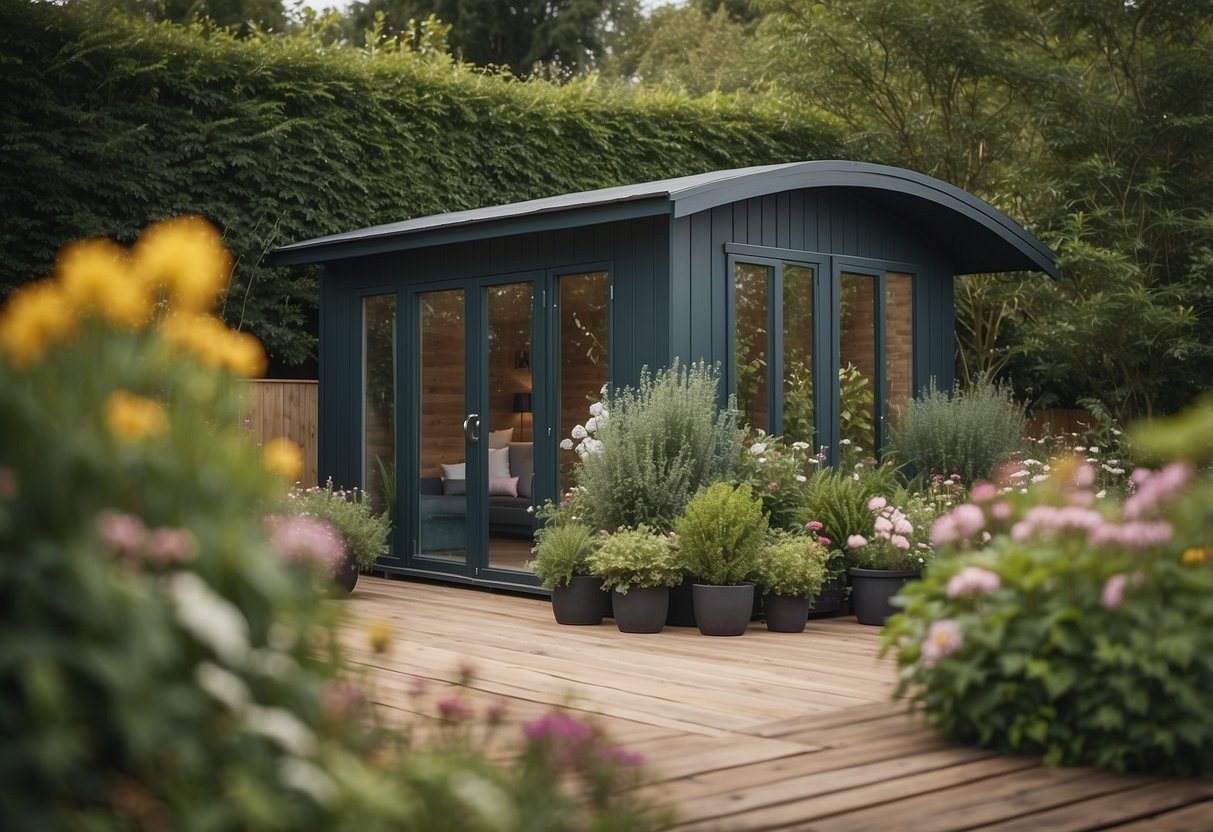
(898, 539)
(1071, 626)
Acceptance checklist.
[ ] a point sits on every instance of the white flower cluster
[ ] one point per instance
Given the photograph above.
(586, 443)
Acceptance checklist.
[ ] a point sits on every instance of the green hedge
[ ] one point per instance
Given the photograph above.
(109, 124)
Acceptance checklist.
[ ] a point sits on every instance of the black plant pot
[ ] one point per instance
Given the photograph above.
(641, 610)
(872, 591)
(723, 610)
(831, 601)
(582, 602)
(786, 614)
(346, 576)
(682, 604)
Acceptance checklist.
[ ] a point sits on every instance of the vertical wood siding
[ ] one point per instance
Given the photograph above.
(287, 409)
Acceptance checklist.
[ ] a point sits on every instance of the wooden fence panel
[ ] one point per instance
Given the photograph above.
(1059, 422)
(287, 408)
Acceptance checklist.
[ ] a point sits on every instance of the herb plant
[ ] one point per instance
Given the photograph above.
(790, 564)
(638, 558)
(721, 533)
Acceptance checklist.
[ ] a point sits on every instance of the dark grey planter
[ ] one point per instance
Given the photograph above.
(641, 610)
(872, 590)
(682, 604)
(346, 577)
(723, 610)
(786, 614)
(831, 601)
(582, 602)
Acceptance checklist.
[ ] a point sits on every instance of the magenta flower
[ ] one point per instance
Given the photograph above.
(452, 709)
(564, 737)
(825, 541)
(813, 526)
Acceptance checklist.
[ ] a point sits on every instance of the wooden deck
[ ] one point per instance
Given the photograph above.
(766, 731)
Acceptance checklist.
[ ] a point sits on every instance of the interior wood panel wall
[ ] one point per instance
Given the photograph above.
(288, 409)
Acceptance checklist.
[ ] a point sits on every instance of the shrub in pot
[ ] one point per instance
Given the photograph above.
(789, 571)
(638, 566)
(362, 531)
(881, 564)
(719, 535)
(561, 563)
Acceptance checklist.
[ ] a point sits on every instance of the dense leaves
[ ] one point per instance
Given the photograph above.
(108, 124)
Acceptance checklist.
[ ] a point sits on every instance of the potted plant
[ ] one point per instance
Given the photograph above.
(880, 565)
(789, 571)
(720, 534)
(562, 552)
(362, 530)
(638, 566)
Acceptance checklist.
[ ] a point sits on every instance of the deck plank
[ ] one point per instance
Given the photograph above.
(766, 731)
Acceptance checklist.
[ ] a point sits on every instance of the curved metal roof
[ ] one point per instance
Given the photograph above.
(979, 237)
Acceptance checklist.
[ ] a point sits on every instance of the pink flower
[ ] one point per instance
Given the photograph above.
(564, 737)
(943, 530)
(969, 519)
(1084, 477)
(122, 533)
(899, 541)
(825, 541)
(1001, 510)
(454, 710)
(301, 538)
(856, 541)
(1155, 491)
(622, 756)
(495, 713)
(902, 526)
(343, 698)
(883, 524)
(973, 580)
(877, 503)
(1114, 592)
(943, 638)
(813, 526)
(773, 485)
(167, 545)
(983, 492)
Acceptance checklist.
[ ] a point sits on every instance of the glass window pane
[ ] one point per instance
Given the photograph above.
(798, 354)
(751, 307)
(442, 509)
(584, 353)
(857, 366)
(509, 426)
(899, 343)
(379, 401)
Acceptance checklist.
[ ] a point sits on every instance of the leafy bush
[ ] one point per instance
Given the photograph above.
(363, 532)
(966, 433)
(156, 648)
(721, 533)
(653, 447)
(562, 551)
(1082, 631)
(117, 122)
(790, 564)
(899, 539)
(838, 500)
(777, 473)
(637, 558)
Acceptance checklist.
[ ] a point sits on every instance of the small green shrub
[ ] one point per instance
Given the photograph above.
(966, 433)
(721, 533)
(637, 558)
(839, 501)
(364, 532)
(562, 551)
(1082, 631)
(653, 447)
(790, 564)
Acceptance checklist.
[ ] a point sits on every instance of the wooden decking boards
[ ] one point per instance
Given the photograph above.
(766, 731)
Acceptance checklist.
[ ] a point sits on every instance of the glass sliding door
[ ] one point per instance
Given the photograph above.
(583, 345)
(442, 517)
(751, 356)
(797, 354)
(857, 316)
(507, 419)
(379, 402)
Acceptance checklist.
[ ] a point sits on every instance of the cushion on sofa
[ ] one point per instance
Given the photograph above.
(522, 466)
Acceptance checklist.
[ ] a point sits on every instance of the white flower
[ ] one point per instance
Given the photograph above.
(1031, 462)
(800, 446)
(596, 409)
(592, 446)
(209, 617)
(579, 432)
(566, 444)
(844, 441)
(591, 425)
(758, 448)
(1101, 494)
(801, 478)
(1040, 478)
(1094, 449)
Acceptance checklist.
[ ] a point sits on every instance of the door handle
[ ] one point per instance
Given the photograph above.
(470, 427)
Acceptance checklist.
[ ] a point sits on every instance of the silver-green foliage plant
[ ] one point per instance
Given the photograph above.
(967, 433)
(363, 531)
(639, 557)
(562, 551)
(654, 446)
(792, 565)
(721, 533)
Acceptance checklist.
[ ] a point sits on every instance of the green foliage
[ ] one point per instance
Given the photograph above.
(838, 500)
(110, 124)
(900, 537)
(965, 433)
(777, 473)
(562, 551)
(856, 405)
(654, 446)
(720, 534)
(363, 531)
(1082, 632)
(638, 558)
(790, 564)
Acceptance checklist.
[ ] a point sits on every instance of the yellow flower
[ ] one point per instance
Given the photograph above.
(243, 355)
(210, 341)
(95, 278)
(132, 417)
(283, 457)
(1194, 556)
(186, 255)
(36, 317)
(379, 634)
